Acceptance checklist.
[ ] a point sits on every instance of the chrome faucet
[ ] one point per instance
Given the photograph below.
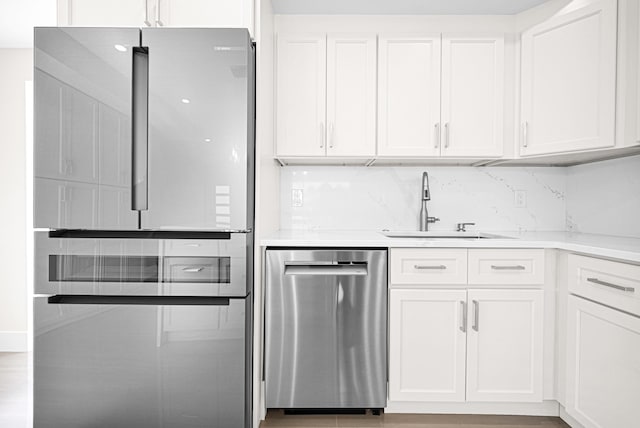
(425, 195)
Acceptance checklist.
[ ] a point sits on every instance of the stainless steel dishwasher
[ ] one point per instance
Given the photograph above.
(326, 328)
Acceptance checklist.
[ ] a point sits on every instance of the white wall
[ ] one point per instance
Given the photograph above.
(15, 68)
(604, 197)
(267, 182)
(389, 197)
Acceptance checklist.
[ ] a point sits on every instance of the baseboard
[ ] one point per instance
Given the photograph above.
(569, 419)
(13, 341)
(545, 408)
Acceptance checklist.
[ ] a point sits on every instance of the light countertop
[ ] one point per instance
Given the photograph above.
(615, 247)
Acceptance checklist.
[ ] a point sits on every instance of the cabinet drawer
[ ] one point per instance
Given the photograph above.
(428, 266)
(506, 266)
(611, 283)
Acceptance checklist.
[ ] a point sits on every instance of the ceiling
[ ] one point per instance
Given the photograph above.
(403, 7)
(18, 17)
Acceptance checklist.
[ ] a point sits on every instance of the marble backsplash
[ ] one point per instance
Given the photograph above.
(359, 198)
(602, 197)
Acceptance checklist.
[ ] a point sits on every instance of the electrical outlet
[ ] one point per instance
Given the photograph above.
(297, 197)
(520, 198)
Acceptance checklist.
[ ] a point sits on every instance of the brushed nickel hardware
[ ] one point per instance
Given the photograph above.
(146, 13)
(436, 137)
(461, 227)
(463, 309)
(608, 284)
(446, 135)
(433, 267)
(525, 134)
(514, 267)
(476, 315)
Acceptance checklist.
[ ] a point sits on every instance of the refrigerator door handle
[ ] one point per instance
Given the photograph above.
(140, 128)
(85, 299)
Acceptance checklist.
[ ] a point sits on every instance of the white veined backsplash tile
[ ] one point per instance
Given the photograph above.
(604, 197)
(359, 198)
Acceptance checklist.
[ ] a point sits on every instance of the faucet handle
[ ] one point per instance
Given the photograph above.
(461, 227)
(432, 219)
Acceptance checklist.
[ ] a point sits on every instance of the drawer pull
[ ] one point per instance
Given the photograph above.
(193, 269)
(608, 284)
(441, 267)
(516, 267)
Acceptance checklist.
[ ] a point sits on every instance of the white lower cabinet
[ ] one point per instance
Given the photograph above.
(504, 345)
(466, 345)
(603, 365)
(427, 345)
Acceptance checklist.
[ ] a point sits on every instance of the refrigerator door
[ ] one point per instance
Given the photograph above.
(140, 364)
(201, 121)
(325, 326)
(82, 128)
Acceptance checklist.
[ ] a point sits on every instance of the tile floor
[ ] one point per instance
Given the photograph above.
(16, 403)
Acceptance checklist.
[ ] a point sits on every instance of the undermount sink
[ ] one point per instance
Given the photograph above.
(439, 234)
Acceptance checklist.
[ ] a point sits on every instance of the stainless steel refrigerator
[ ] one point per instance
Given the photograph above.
(144, 204)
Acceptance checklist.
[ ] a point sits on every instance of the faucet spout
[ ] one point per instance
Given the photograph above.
(425, 195)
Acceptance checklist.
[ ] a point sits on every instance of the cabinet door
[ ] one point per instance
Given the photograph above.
(472, 96)
(409, 96)
(204, 13)
(569, 81)
(603, 368)
(102, 13)
(427, 345)
(504, 345)
(300, 95)
(351, 95)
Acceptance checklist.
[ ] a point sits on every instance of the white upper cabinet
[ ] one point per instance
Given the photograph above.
(351, 95)
(472, 96)
(409, 96)
(300, 95)
(105, 13)
(156, 13)
(569, 81)
(325, 95)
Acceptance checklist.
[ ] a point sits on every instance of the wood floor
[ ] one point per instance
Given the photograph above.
(278, 419)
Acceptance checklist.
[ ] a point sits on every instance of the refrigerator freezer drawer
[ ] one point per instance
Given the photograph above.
(126, 365)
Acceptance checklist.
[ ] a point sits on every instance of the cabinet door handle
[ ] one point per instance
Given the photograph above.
(446, 135)
(525, 134)
(146, 13)
(436, 136)
(439, 267)
(514, 267)
(463, 309)
(331, 129)
(158, 22)
(322, 135)
(608, 284)
(476, 315)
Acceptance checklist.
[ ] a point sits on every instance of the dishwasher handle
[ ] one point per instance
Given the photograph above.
(316, 268)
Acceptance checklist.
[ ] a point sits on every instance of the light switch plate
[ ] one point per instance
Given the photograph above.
(520, 198)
